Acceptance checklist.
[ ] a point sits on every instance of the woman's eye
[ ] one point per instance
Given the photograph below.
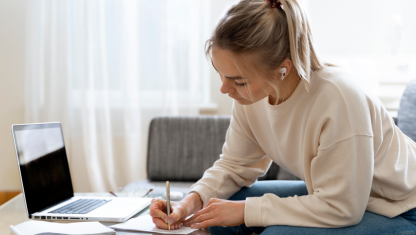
(240, 84)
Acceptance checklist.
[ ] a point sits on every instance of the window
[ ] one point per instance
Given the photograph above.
(373, 39)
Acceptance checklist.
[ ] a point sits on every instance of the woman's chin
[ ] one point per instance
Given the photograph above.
(243, 101)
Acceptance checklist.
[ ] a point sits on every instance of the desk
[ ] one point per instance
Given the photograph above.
(13, 212)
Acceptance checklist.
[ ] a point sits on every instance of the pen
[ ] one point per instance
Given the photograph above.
(168, 201)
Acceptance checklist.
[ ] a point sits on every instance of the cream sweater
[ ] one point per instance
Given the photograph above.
(339, 140)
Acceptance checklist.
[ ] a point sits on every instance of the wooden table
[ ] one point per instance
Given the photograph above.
(13, 212)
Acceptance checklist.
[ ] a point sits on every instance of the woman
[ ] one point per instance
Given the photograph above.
(311, 119)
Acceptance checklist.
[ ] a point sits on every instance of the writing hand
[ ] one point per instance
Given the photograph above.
(158, 210)
(218, 212)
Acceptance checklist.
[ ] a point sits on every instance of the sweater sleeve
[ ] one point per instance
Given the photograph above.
(341, 177)
(242, 161)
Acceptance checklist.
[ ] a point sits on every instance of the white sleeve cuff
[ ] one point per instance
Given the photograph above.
(253, 212)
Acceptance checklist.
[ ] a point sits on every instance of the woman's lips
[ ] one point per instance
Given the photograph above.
(235, 98)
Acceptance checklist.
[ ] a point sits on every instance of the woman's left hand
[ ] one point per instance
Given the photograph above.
(218, 212)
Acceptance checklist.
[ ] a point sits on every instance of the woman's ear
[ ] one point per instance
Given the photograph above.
(284, 69)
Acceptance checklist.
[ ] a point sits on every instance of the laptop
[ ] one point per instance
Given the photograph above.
(47, 185)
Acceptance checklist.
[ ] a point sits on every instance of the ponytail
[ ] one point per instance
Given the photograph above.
(302, 52)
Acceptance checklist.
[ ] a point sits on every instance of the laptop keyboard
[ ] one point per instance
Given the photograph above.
(80, 206)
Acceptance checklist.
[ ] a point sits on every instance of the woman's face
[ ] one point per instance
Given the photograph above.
(234, 84)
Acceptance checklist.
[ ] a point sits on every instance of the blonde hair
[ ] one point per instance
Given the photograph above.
(270, 34)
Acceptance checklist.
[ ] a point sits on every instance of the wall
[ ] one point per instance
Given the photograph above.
(11, 87)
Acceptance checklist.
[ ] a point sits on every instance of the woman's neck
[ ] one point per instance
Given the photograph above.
(286, 88)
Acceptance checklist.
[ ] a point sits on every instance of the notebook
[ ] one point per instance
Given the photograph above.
(145, 224)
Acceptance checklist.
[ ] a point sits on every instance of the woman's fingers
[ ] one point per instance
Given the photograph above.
(208, 207)
(158, 203)
(205, 213)
(158, 209)
(210, 202)
(159, 223)
(187, 223)
(160, 218)
(200, 219)
(159, 214)
(205, 224)
(218, 213)
(175, 217)
(178, 212)
(201, 212)
(162, 225)
(157, 206)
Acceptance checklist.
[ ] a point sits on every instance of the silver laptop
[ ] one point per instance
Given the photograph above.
(47, 185)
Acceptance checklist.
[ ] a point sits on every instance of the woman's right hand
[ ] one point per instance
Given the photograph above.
(179, 211)
(158, 210)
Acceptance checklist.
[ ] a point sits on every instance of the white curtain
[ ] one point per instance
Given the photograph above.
(104, 68)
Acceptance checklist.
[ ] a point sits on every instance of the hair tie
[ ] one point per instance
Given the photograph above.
(275, 4)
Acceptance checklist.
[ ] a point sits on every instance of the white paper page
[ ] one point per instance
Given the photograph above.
(36, 227)
(145, 224)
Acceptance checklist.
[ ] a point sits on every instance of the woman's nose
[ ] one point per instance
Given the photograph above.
(227, 86)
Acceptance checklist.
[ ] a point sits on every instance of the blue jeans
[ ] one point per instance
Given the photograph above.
(370, 224)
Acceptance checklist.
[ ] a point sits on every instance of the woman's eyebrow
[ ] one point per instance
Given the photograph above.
(233, 78)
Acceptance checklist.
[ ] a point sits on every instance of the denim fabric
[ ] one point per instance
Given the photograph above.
(370, 224)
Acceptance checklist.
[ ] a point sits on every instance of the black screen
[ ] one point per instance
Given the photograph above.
(43, 165)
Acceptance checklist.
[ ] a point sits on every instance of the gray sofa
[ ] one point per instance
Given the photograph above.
(180, 149)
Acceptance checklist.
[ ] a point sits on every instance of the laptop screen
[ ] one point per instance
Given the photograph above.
(43, 165)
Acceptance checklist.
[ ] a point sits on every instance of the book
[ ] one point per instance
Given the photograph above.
(45, 228)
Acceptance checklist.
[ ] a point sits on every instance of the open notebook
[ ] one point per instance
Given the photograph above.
(145, 224)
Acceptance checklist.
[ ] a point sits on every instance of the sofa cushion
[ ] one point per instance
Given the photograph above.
(182, 148)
